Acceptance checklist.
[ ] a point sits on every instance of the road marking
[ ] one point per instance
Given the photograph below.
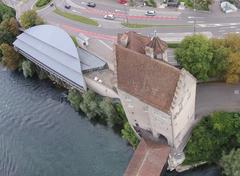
(76, 11)
(190, 21)
(106, 45)
(219, 25)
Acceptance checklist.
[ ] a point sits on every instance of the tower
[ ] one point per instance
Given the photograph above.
(158, 99)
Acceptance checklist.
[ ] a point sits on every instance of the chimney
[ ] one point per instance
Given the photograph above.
(124, 40)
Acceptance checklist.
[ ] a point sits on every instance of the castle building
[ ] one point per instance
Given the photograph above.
(158, 99)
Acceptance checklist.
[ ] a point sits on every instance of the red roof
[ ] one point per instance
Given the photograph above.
(148, 159)
(151, 81)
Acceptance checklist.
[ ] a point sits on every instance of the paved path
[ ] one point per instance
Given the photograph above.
(217, 97)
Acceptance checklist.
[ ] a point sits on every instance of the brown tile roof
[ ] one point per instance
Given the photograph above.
(136, 41)
(159, 46)
(148, 159)
(150, 80)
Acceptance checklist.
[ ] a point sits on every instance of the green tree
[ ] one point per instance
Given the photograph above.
(230, 163)
(74, 97)
(214, 135)
(6, 37)
(219, 63)
(129, 135)
(10, 58)
(28, 68)
(6, 12)
(108, 111)
(90, 104)
(29, 19)
(194, 54)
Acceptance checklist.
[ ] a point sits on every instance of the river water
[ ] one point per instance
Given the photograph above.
(42, 136)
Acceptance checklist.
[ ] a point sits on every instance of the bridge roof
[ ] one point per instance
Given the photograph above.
(54, 48)
(148, 159)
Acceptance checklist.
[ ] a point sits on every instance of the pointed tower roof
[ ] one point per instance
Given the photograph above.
(159, 46)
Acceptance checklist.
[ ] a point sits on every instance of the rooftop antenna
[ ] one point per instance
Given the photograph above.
(155, 33)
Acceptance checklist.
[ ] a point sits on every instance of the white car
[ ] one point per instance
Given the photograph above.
(150, 13)
(109, 17)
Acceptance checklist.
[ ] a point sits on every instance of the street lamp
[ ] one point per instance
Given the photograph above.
(126, 13)
(194, 9)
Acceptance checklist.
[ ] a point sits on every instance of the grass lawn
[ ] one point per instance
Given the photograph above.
(77, 18)
(173, 45)
(133, 25)
(74, 40)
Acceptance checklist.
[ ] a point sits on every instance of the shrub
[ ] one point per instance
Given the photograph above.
(128, 134)
(151, 3)
(29, 19)
(74, 98)
(41, 3)
(230, 163)
(28, 68)
(6, 12)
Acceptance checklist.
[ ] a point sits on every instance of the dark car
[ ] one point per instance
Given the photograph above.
(91, 4)
(67, 6)
(52, 4)
(172, 3)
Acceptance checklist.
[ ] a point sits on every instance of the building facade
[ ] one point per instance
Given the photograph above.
(158, 99)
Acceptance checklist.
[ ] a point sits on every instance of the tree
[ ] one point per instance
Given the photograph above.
(90, 104)
(219, 63)
(128, 134)
(6, 37)
(194, 54)
(10, 25)
(74, 98)
(233, 69)
(230, 163)
(232, 41)
(29, 19)
(108, 111)
(214, 135)
(10, 58)
(6, 12)
(28, 68)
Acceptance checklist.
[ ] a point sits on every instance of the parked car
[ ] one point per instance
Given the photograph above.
(67, 6)
(122, 1)
(52, 4)
(91, 4)
(150, 13)
(173, 3)
(109, 17)
(227, 7)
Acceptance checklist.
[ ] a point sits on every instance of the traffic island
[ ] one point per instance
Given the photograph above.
(77, 18)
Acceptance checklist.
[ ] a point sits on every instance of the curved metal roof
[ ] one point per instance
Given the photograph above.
(53, 48)
(54, 36)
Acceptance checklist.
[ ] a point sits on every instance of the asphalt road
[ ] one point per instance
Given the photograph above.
(171, 21)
